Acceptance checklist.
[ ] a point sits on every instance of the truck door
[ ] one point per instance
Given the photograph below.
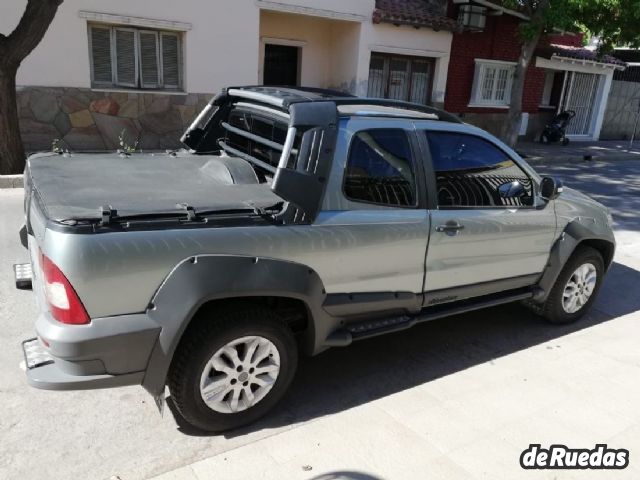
(374, 210)
(488, 233)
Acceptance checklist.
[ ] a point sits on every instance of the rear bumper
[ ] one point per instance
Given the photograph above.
(109, 352)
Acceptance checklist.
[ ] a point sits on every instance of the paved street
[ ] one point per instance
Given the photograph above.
(454, 399)
(618, 149)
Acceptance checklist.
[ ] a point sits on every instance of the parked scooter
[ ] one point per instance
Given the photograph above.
(555, 132)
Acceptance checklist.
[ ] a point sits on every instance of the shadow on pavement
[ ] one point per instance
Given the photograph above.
(344, 378)
(614, 184)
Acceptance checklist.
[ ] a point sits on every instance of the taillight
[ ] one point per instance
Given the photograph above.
(63, 300)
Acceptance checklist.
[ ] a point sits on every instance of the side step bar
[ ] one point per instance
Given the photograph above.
(374, 328)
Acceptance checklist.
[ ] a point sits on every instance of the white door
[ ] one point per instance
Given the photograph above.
(581, 96)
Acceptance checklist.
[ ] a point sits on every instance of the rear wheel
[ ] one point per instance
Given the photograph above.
(576, 288)
(232, 369)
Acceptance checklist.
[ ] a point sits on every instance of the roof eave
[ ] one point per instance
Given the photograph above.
(586, 61)
(418, 24)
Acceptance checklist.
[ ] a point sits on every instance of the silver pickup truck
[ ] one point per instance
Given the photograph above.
(296, 220)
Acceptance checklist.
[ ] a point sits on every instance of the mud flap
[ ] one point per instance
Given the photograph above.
(161, 402)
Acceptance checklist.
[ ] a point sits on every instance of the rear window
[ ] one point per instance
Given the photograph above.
(380, 169)
(262, 126)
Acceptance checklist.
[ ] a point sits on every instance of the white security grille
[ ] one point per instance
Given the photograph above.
(492, 83)
(580, 95)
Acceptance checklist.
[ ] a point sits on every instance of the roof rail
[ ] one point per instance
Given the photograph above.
(284, 97)
(382, 102)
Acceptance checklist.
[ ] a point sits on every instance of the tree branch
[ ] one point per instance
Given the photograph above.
(34, 23)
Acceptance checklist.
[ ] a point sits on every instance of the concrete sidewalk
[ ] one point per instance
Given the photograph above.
(578, 390)
(462, 398)
(610, 150)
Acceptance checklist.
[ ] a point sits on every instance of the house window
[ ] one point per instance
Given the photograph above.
(492, 83)
(400, 77)
(135, 58)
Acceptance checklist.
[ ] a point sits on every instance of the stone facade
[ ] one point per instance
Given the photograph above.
(87, 120)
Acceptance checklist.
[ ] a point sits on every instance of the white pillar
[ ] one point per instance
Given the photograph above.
(602, 103)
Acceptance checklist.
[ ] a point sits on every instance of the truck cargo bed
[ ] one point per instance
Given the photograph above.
(76, 187)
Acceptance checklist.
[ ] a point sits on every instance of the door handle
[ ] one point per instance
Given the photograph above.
(450, 228)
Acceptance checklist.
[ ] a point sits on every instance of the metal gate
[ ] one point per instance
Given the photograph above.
(623, 109)
(400, 78)
(580, 94)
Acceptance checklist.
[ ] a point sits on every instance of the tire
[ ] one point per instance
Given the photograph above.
(565, 141)
(213, 332)
(554, 309)
(544, 139)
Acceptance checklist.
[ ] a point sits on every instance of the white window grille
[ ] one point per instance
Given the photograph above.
(492, 83)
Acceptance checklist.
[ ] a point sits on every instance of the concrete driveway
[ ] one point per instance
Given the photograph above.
(456, 398)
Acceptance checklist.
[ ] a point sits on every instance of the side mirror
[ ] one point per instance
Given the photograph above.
(550, 188)
(513, 189)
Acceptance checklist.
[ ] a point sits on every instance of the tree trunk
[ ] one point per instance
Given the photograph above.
(34, 23)
(537, 11)
(12, 157)
(511, 127)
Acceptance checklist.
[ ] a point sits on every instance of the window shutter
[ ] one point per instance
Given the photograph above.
(101, 55)
(149, 60)
(170, 60)
(126, 58)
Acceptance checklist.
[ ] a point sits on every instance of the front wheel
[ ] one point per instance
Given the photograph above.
(576, 288)
(232, 368)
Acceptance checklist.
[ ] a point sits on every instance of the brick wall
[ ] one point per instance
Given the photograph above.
(499, 41)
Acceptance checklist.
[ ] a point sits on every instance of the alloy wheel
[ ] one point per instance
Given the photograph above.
(240, 374)
(579, 288)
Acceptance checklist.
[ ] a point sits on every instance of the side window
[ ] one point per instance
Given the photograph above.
(380, 169)
(472, 172)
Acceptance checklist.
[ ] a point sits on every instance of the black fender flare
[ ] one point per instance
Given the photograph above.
(201, 279)
(574, 234)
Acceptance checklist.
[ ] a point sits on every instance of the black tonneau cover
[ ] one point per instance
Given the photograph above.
(77, 186)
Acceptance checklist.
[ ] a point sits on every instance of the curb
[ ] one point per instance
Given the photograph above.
(11, 181)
